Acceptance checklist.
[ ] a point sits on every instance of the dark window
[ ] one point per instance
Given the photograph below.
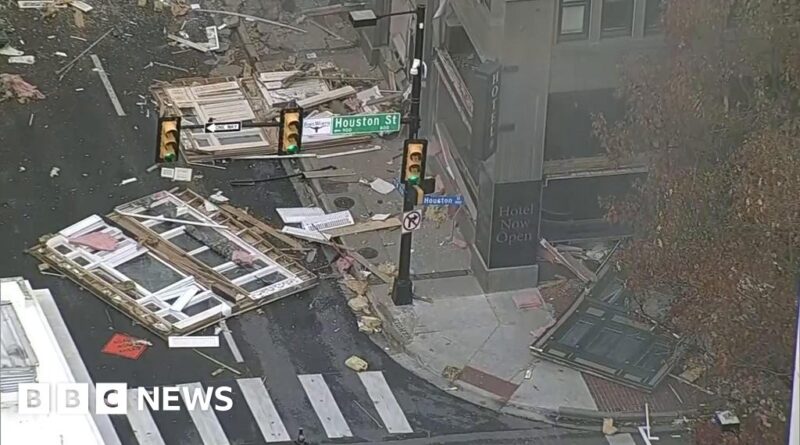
(573, 20)
(654, 16)
(617, 18)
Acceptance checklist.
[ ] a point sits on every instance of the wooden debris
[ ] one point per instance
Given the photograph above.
(315, 174)
(570, 262)
(252, 18)
(367, 226)
(328, 96)
(202, 47)
(371, 267)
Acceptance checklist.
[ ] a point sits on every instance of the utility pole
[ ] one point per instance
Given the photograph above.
(403, 288)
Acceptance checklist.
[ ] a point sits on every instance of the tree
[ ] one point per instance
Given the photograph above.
(717, 220)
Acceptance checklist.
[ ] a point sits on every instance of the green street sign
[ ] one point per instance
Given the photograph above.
(366, 123)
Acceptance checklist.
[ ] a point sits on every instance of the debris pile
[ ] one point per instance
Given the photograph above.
(14, 86)
(320, 89)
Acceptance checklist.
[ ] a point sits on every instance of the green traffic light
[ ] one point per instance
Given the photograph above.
(413, 180)
(170, 157)
(292, 149)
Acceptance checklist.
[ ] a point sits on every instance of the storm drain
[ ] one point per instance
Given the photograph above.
(333, 186)
(344, 203)
(442, 274)
(368, 252)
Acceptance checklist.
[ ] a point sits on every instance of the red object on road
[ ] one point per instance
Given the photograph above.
(123, 345)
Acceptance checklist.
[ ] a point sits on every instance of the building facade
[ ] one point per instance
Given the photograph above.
(510, 92)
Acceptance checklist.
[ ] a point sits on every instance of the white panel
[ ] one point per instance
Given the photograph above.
(194, 341)
(329, 221)
(325, 406)
(260, 403)
(385, 402)
(142, 423)
(205, 421)
(295, 215)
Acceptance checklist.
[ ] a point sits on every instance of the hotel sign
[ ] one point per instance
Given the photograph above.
(486, 119)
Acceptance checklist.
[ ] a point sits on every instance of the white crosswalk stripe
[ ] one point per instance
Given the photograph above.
(325, 406)
(267, 418)
(385, 402)
(142, 423)
(205, 420)
(264, 411)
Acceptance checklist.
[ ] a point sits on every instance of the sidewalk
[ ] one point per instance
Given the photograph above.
(455, 326)
(481, 342)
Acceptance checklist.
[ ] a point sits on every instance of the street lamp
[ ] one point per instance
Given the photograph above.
(403, 288)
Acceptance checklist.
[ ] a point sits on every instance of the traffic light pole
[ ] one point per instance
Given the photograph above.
(403, 288)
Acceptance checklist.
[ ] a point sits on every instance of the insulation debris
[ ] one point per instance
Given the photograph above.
(356, 363)
(12, 85)
(97, 241)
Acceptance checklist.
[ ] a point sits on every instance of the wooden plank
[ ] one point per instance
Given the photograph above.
(570, 262)
(339, 93)
(239, 215)
(368, 226)
(189, 43)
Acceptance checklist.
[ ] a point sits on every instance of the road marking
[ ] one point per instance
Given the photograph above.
(107, 84)
(260, 403)
(142, 423)
(621, 439)
(205, 420)
(385, 402)
(237, 354)
(325, 406)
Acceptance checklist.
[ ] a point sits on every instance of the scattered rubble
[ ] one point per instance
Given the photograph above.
(13, 85)
(206, 294)
(356, 363)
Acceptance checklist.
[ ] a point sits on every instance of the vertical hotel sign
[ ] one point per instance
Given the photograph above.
(485, 120)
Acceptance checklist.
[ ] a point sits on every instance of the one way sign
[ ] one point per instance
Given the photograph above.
(223, 127)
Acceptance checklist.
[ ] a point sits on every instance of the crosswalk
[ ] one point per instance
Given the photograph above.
(211, 429)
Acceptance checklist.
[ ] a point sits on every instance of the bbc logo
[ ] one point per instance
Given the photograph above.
(72, 398)
(112, 398)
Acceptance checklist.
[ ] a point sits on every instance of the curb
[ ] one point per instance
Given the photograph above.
(570, 418)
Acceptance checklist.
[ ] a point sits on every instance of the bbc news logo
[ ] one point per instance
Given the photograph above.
(112, 398)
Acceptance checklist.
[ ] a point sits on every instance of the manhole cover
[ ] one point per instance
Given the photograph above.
(344, 203)
(368, 252)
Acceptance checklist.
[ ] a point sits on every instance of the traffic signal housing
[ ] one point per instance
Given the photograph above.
(168, 139)
(291, 131)
(414, 153)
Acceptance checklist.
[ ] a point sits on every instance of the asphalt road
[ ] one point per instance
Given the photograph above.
(77, 130)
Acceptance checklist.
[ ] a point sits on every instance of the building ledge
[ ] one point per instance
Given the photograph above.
(593, 166)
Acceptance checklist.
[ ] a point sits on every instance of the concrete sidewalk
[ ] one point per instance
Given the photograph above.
(454, 324)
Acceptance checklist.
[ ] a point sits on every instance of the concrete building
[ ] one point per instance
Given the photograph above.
(509, 96)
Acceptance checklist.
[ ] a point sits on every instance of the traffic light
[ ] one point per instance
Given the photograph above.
(414, 152)
(291, 131)
(167, 139)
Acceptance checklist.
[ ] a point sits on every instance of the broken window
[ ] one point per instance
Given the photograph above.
(601, 338)
(186, 296)
(149, 272)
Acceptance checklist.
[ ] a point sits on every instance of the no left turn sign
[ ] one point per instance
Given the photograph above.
(411, 221)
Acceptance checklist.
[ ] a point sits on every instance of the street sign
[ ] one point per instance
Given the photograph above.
(222, 127)
(366, 123)
(317, 125)
(411, 221)
(455, 201)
